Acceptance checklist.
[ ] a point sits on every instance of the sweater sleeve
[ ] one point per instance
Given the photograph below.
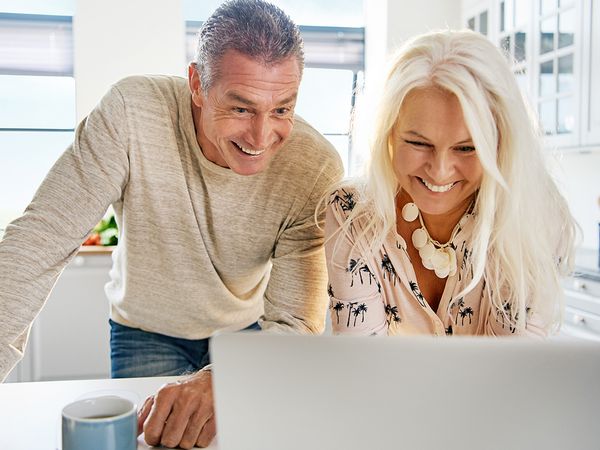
(356, 304)
(296, 296)
(73, 197)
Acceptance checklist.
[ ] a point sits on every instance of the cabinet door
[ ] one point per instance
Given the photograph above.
(591, 74)
(557, 70)
(476, 15)
(70, 337)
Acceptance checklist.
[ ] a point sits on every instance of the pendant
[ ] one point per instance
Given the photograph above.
(441, 258)
(410, 212)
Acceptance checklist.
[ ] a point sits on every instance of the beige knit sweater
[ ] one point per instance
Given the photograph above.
(200, 248)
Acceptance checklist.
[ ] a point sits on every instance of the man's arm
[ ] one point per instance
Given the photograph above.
(296, 296)
(181, 414)
(74, 196)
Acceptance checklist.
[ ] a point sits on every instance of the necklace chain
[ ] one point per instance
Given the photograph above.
(433, 241)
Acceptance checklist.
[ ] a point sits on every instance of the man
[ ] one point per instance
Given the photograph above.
(214, 184)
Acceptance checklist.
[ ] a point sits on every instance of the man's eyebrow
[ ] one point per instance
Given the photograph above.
(241, 99)
(292, 98)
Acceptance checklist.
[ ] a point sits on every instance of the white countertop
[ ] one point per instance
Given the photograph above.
(30, 412)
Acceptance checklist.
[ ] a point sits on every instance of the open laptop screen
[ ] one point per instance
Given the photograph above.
(368, 393)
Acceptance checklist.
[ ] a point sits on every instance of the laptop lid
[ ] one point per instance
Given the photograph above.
(368, 393)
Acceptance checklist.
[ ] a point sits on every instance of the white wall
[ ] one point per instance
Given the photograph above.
(115, 38)
(578, 176)
(390, 22)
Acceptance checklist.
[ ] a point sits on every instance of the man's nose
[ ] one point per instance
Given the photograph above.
(260, 134)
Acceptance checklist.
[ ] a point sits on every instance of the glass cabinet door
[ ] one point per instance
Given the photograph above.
(556, 89)
(513, 35)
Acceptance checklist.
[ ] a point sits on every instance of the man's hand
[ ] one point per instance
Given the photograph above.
(181, 414)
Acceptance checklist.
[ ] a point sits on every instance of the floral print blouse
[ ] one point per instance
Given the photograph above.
(378, 294)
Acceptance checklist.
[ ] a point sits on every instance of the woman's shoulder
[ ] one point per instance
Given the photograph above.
(346, 196)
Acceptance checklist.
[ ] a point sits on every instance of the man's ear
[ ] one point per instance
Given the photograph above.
(195, 85)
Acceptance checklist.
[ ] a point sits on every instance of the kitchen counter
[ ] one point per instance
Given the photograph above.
(30, 413)
(85, 250)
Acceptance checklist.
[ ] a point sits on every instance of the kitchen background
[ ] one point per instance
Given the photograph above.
(58, 58)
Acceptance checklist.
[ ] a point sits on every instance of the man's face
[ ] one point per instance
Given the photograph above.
(247, 113)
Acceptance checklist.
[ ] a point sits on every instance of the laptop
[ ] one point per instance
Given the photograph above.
(416, 393)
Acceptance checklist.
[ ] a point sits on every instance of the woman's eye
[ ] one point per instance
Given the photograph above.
(418, 143)
(465, 149)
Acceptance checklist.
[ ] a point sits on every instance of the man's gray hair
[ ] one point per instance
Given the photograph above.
(254, 28)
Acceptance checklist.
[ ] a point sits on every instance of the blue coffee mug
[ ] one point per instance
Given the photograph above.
(101, 423)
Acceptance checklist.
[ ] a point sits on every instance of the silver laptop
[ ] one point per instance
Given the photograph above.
(368, 393)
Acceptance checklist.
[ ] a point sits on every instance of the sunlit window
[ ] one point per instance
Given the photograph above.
(37, 94)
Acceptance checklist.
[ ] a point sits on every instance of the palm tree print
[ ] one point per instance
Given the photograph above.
(339, 306)
(354, 268)
(417, 293)
(399, 246)
(527, 316)
(513, 328)
(467, 254)
(356, 313)
(350, 307)
(459, 304)
(365, 268)
(388, 267)
(392, 314)
(468, 311)
(449, 330)
(362, 309)
(330, 290)
(504, 313)
(351, 266)
(344, 199)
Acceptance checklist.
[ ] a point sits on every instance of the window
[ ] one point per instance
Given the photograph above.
(514, 17)
(555, 84)
(37, 93)
(479, 22)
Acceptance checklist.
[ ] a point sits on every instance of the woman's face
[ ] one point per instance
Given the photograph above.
(434, 157)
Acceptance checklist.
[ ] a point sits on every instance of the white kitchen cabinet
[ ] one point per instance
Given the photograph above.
(554, 48)
(590, 105)
(582, 310)
(476, 15)
(70, 337)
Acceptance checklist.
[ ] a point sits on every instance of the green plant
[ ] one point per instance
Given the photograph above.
(108, 231)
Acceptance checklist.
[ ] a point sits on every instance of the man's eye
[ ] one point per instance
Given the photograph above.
(240, 110)
(282, 111)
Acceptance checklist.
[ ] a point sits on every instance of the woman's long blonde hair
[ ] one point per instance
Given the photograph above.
(523, 234)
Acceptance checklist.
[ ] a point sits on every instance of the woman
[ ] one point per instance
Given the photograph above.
(458, 227)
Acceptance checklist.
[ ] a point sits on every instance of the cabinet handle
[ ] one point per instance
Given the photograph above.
(579, 320)
(579, 285)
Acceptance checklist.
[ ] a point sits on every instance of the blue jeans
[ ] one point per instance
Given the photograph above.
(138, 353)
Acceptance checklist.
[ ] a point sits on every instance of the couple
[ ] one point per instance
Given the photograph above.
(457, 229)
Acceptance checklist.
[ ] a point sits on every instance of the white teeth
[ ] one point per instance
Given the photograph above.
(435, 188)
(249, 151)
